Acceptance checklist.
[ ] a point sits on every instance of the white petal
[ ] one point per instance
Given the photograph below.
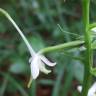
(30, 59)
(43, 69)
(35, 68)
(79, 88)
(92, 90)
(94, 29)
(33, 57)
(46, 61)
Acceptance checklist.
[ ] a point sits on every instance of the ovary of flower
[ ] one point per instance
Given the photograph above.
(37, 64)
(91, 91)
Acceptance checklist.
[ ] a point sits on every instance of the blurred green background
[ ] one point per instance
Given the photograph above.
(38, 20)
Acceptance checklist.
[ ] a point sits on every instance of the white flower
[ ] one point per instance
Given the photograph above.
(91, 91)
(94, 29)
(79, 88)
(38, 62)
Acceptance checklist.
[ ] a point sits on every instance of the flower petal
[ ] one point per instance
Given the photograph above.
(46, 61)
(79, 88)
(34, 68)
(92, 90)
(94, 29)
(30, 59)
(43, 69)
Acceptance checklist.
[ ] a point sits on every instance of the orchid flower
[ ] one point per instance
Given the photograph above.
(91, 91)
(37, 60)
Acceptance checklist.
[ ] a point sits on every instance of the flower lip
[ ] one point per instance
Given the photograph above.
(38, 62)
(34, 67)
(46, 61)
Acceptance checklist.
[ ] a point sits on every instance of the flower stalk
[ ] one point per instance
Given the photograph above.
(88, 52)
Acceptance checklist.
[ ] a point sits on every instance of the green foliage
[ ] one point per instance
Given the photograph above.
(38, 19)
(93, 71)
(18, 66)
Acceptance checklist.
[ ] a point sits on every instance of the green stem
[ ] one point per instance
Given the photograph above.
(67, 45)
(88, 53)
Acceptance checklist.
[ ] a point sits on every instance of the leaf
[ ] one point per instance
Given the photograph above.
(3, 87)
(67, 84)
(37, 43)
(46, 82)
(93, 71)
(78, 70)
(18, 67)
(15, 84)
(93, 45)
(2, 28)
(92, 25)
(57, 83)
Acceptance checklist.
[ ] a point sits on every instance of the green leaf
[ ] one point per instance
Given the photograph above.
(93, 71)
(78, 70)
(3, 87)
(92, 25)
(57, 83)
(33, 89)
(93, 45)
(18, 67)
(37, 43)
(15, 83)
(67, 84)
(46, 82)
(2, 28)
